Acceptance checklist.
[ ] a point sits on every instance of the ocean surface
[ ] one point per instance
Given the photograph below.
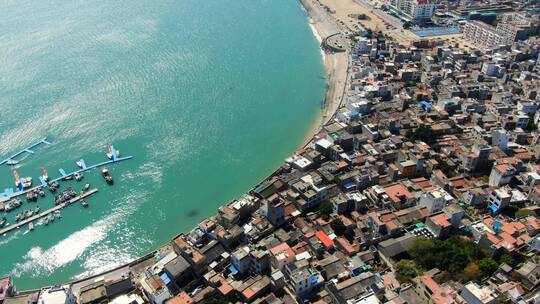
(208, 96)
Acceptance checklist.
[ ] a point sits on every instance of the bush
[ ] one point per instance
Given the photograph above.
(523, 212)
(325, 208)
(338, 226)
(214, 297)
(406, 270)
(423, 133)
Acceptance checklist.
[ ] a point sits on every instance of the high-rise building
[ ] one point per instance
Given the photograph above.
(416, 11)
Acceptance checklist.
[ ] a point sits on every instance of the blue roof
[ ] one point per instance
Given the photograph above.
(165, 278)
(233, 269)
(313, 280)
(493, 208)
(348, 185)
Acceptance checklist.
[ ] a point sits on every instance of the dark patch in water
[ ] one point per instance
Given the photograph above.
(192, 213)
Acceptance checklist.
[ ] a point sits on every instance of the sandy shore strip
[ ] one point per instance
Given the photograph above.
(336, 65)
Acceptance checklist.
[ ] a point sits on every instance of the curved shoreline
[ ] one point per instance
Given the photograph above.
(336, 67)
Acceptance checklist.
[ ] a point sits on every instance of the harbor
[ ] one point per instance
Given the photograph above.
(46, 212)
(9, 193)
(9, 201)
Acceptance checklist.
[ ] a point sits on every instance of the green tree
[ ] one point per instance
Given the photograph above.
(523, 212)
(214, 297)
(338, 226)
(406, 270)
(507, 259)
(325, 208)
(487, 266)
(423, 133)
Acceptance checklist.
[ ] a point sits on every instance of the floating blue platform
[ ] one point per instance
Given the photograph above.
(9, 193)
(25, 150)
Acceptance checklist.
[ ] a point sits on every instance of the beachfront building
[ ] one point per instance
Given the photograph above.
(415, 11)
(511, 28)
(484, 34)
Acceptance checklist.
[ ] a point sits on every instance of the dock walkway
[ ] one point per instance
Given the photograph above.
(46, 212)
(26, 150)
(4, 198)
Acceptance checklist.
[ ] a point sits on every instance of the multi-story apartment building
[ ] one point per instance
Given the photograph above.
(415, 11)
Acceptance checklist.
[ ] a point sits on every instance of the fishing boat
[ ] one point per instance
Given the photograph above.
(78, 176)
(80, 164)
(41, 192)
(3, 222)
(30, 226)
(107, 175)
(28, 213)
(109, 152)
(36, 210)
(13, 204)
(86, 187)
(25, 182)
(44, 174)
(31, 196)
(84, 203)
(12, 162)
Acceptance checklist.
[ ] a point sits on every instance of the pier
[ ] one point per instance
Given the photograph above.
(46, 212)
(7, 195)
(25, 150)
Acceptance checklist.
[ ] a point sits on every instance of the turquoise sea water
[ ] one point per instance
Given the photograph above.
(208, 96)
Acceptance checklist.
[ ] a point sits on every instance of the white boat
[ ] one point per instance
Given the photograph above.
(26, 182)
(109, 152)
(31, 226)
(12, 162)
(78, 176)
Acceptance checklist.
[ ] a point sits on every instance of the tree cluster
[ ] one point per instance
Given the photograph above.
(423, 133)
(462, 258)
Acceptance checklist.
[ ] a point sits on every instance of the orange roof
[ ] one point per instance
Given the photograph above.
(327, 242)
(440, 295)
(181, 298)
(282, 248)
(429, 283)
(503, 167)
(441, 220)
(348, 247)
(248, 293)
(392, 225)
(397, 190)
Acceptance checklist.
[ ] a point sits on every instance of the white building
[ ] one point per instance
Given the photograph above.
(473, 294)
(498, 199)
(435, 200)
(485, 34)
(240, 259)
(412, 10)
(304, 280)
(56, 295)
(500, 138)
(501, 175)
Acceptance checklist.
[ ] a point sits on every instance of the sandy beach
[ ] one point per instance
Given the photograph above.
(336, 65)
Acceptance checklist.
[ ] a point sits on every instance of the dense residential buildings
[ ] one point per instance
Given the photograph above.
(432, 145)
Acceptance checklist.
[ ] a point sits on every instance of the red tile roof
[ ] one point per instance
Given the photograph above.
(323, 237)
